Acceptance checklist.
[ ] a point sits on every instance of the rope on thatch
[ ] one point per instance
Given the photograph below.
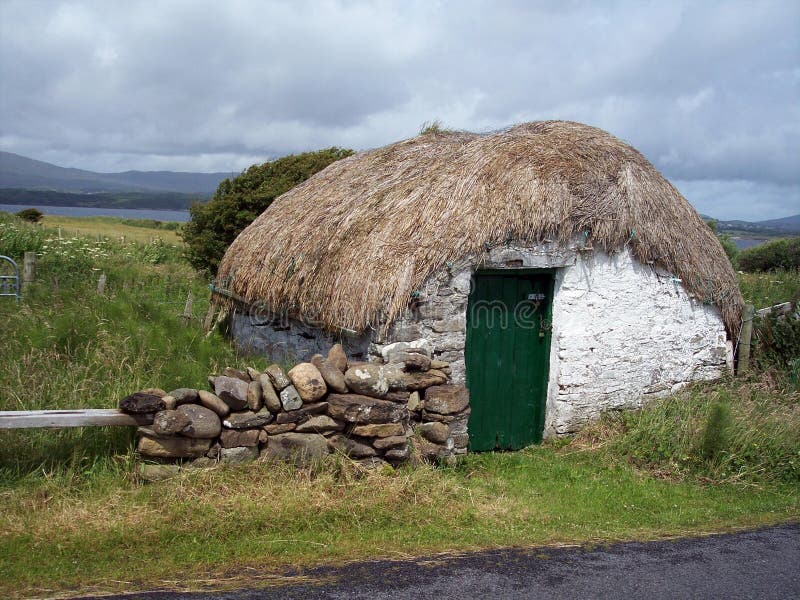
(351, 244)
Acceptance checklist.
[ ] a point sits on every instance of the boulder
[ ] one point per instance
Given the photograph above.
(169, 422)
(319, 423)
(235, 373)
(301, 414)
(397, 454)
(169, 402)
(268, 394)
(395, 377)
(233, 438)
(350, 447)
(254, 395)
(435, 432)
(302, 447)
(154, 392)
(391, 352)
(355, 408)
(248, 419)
(420, 380)
(212, 402)
(367, 380)
(290, 399)
(337, 357)
(416, 362)
(390, 442)
(446, 399)
(333, 377)
(277, 377)
(252, 373)
(308, 382)
(173, 447)
(232, 391)
(379, 430)
(203, 422)
(158, 472)
(141, 402)
(276, 428)
(237, 456)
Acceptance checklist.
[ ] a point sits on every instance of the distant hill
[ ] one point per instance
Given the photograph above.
(22, 173)
(771, 227)
(148, 200)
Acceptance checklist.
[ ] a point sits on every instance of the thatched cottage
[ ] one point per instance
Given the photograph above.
(550, 264)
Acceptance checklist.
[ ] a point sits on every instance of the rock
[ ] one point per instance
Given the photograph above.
(169, 422)
(173, 447)
(214, 451)
(154, 392)
(390, 442)
(460, 440)
(203, 422)
(237, 456)
(439, 365)
(141, 402)
(146, 431)
(416, 362)
(379, 430)
(158, 472)
(397, 454)
(446, 399)
(319, 423)
(232, 391)
(389, 351)
(449, 325)
(398, 396)
(308, 382)
(268, 394)
(354, 408)
(302, 447)
(432, 416)
(277, 428)
(421, 380)
(212, 402)
(428, 450)
(333, 377)
(252, 373)
(414, 403)
(373, 463)
(367, 380)
(235, 373)
(232, 438)
(337, 357)
(290, 399)
(434, 432)
(278, 377)
(169, 402)
(301, 414)
(254, 395)
(248, 419)
(263, 436)
(395, 377)
(204, 462)
(350, 447)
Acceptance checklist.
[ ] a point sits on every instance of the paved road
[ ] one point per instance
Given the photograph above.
(757, 564)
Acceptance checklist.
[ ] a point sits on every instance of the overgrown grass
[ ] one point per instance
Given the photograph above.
(768, 289)
(138, 230)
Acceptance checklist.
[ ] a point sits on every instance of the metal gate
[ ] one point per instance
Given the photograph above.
(9, 284)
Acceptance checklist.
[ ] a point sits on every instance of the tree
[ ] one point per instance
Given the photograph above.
(31, 214)
(214, 225)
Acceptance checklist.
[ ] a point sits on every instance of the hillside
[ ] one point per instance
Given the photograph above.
(21, 172)
(772, 227)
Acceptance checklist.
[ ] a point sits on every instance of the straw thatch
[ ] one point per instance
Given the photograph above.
(350, 245)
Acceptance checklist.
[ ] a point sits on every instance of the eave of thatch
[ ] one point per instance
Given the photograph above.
(350, 245)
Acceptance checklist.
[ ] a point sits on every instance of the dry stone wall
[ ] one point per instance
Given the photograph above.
(402, 409)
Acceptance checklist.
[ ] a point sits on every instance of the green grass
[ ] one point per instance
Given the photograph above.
(139, 230)
(768, 289)
(74, 516)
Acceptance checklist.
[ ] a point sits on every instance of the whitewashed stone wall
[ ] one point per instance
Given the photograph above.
(622, 332)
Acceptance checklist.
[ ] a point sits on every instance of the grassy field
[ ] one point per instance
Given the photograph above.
(75, 517)
(111, 227)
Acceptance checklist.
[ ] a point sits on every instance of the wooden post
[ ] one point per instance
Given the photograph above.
(28, 268)
(59, 232)
(101, 284)
(209, 320)
(187, 310)
(744, 342)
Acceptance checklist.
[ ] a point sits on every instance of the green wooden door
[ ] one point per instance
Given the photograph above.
(508, 357)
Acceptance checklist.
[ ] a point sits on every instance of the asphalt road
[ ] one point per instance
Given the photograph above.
(756, 564)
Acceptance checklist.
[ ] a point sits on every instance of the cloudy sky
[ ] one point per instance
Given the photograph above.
(708, 91)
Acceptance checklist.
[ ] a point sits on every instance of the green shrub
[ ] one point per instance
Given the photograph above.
(31, 214)
(777, 343)
(237, 202)
(725, 240)
(778, 254)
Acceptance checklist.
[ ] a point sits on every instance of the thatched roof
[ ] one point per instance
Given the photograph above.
(351, 244)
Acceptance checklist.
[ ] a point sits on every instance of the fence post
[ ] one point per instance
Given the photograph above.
(101, 284)
(207, 322)
(28, 268)
(187, 310)
(744, 343)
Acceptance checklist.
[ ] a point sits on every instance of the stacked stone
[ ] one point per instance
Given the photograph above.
(367, 411)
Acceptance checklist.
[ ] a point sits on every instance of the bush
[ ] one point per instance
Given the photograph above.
(237, 202)
(725, 240)
(772, 256)
(777, 343)
(31, 214)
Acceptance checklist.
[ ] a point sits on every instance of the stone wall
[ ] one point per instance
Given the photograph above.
(402, 409)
